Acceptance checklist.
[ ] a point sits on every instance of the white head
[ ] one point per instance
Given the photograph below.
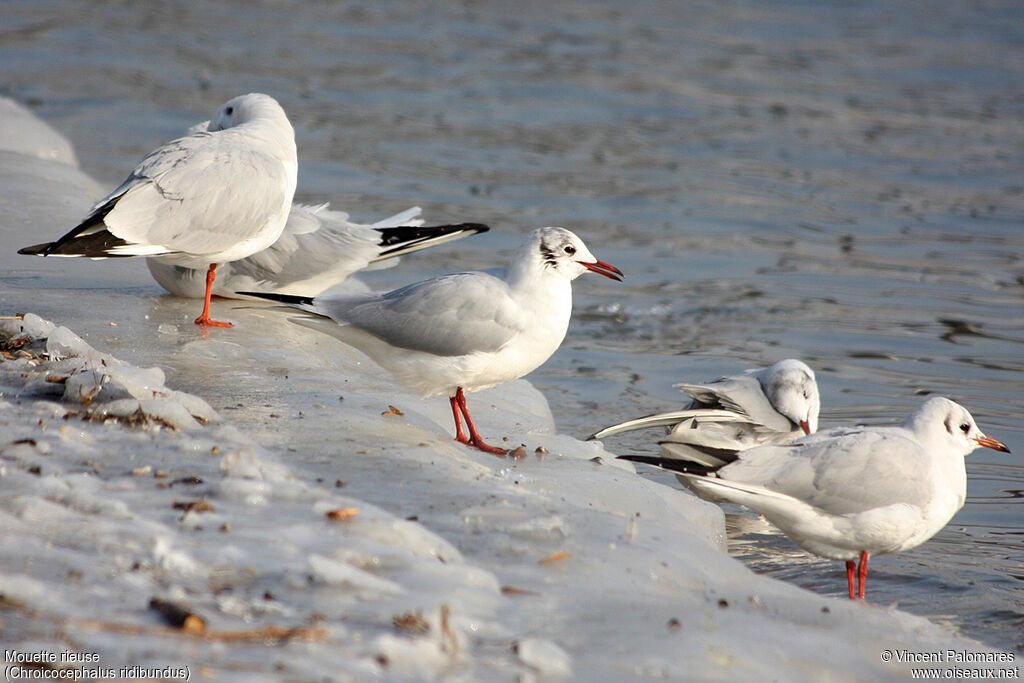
(941, 423)
(560, 251)
(248, 108)
(793, 391)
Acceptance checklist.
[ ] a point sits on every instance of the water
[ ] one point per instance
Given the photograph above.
(839, 183)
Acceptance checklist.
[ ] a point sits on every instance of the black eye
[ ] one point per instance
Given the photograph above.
(229, 111)
(965, 428)
(569, 249)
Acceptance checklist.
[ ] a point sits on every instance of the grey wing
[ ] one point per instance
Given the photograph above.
(316, 244)
(199, 194)
(741, 394)
(450, 315)
(864, 470)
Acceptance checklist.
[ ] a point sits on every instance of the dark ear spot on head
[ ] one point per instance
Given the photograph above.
(547, 254)
(949, 425)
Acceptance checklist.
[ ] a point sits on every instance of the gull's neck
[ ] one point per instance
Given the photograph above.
(527, 273)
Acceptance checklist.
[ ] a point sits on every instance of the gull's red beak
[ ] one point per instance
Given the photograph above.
(602, 268)
(806, 426)
(994, 444)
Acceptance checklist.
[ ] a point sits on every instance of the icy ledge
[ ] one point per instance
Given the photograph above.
(560, 565)
(43, 359)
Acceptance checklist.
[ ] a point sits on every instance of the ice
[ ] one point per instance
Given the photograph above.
(448, 564)
(103, 385)
(24, 134)
(549, 660)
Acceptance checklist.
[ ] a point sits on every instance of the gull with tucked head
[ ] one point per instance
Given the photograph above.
(776, 404)
(213, 196)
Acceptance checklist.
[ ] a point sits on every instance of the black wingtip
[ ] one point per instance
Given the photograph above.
(37, 249)
(292, 299)
(407, 238)
(670, 464)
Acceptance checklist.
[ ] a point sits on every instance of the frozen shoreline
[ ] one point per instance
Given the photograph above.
(644, 590)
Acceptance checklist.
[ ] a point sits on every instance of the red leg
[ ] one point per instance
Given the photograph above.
(851, 566)
(460, 434)
(474, 436)
(862, 574)
(204, 317)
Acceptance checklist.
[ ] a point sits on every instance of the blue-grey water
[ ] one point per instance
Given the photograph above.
(840, 182)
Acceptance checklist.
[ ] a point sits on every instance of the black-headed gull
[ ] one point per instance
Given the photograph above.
(201, 200)
(319, 248)
(466, 331)
(776, 404)
(850, 493)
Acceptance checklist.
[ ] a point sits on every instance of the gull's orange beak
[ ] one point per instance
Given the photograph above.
(806, 426)
(994, 444)
(602, 268)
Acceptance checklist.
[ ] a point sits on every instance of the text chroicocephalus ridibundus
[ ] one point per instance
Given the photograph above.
(466, 331)
(850, 493)
(319, 248)
(201, 200)
(776, 404)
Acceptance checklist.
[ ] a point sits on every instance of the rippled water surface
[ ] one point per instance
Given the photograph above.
(838, 182)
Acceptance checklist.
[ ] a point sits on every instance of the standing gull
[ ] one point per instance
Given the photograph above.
(776, 404)
(851, 493)
(466, 331)
(207, 198)
(318, 249)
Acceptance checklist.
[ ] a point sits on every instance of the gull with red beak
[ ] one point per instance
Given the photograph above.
(463, 332)
(777, 404)
(850, 493)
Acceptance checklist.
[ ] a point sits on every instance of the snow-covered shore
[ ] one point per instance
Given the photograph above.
(319, 538)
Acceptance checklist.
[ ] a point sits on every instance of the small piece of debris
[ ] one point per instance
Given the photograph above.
(518, 453)
(339, 484)
(674, 624)
(161, 474)
(393, 411)
(193, 506)
(342, 513)
(179, 617)
(141, 470)
(556, 557)
(723, 603)
(541, 451)
(512, 590)
(412, 623)
(225, 527)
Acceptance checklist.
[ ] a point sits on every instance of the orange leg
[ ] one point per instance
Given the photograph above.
(851, 567)
(862, 575)
(460, 433)
(475, 440)
(204, 317)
